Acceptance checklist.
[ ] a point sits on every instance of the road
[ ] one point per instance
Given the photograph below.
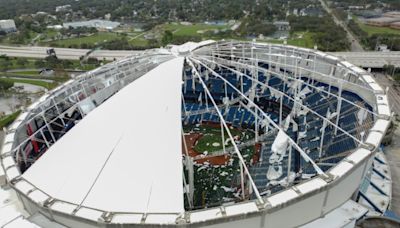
(355, 44)
(62, 53)
(141, 34)
(370, 59)
(392, 153)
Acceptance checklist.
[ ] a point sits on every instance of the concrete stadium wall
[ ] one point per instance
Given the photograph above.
(295, 212)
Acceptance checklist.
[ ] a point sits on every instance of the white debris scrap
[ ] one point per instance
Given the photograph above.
(280, 143)
(304, 92)
(274, 173)
(361, 116)
(227, 189)
(224, 173)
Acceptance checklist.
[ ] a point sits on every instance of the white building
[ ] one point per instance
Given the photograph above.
(57, 27)
(383, 48)
(7, 26)
(107, 16)
(63, 8)
(282, 25)
(98, 24)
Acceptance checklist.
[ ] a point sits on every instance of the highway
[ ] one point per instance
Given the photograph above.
(62, 53)
(370, 59)
(393, 94)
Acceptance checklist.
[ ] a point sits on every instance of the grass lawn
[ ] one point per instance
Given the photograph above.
(191, 30)
(211, 140)
(48, 34)
(94, 39)
(8, 40)
(31, 65)
(299, 39)
(26, 73)
(76, 64)
(45, 84)
(6, 120)
(86, 67)
(139, 42)
(51, 32)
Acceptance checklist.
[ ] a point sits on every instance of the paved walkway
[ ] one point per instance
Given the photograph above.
(393, 157)
(392, 152)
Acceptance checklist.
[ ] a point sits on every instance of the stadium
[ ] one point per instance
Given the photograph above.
(209, 134)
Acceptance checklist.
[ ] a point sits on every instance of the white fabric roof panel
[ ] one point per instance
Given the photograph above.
(125, 155)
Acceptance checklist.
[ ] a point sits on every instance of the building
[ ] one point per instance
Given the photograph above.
(282, 25)
(311, 11)
(56, 27)
(395, 25)
(382, 21)
(356, 7)
(63, 8)
(211, 134)
(368, 13)
(7, 26)
(98, 24)
(107, 17)
(46, 72)
(395, 14)
(383, 48)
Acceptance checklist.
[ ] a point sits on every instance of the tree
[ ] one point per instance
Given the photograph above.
(92, 60)
(119, 44)
(39, 63)
(67, 64)
(393, 71)
(84, 46)
(5, 65)
(153, 43)
(255, 27)
(6, 84)
(167, 38)
(22, 62)
(52, 61)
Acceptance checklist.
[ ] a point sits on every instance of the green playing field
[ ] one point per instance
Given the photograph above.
(211, 139)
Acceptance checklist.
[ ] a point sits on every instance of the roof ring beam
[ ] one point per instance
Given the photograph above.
(228, 54)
